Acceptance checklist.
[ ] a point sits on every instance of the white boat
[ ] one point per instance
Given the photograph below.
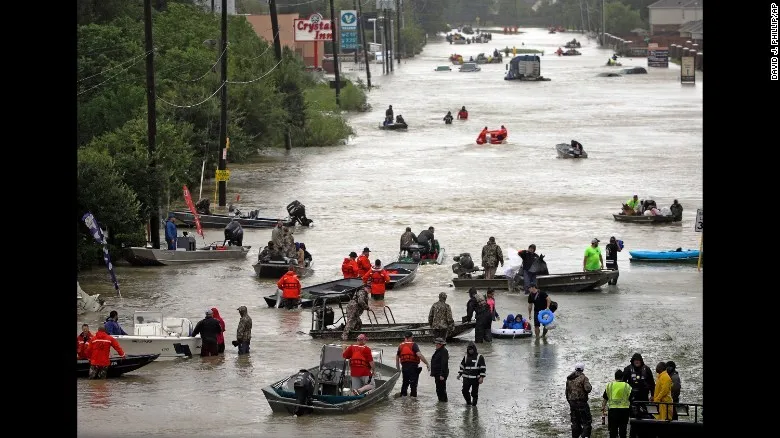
(87, 303)
(510, 333)
(154, 334)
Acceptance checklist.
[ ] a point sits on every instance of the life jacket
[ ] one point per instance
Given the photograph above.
(618, 393)
(357, 360)
(82, 345)
(349, 268)
(377, 278)
(407, 355)
(364, 265)
(463, 114)
(290, 286)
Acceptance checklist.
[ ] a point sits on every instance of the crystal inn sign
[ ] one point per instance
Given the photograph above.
(314, 28)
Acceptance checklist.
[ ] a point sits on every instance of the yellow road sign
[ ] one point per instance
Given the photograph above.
(223, 175)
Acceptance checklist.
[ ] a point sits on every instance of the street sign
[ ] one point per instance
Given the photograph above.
(688, 70)
(699, 225)
(348, 30)
(223, 175)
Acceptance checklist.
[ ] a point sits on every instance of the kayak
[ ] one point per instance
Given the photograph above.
(665, 255)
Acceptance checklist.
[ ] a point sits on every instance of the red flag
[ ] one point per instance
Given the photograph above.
(188, 198)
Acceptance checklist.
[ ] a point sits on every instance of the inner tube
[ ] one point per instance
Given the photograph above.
(545, 317)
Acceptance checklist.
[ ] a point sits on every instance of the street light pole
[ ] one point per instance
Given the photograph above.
(222, 184)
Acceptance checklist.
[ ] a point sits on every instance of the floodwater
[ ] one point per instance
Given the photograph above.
(643, 135)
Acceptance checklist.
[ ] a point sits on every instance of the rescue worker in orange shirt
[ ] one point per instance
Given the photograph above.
(363, 262)
(501, 133)
(463, 114)
(99, 351)
(361, 365)
(291, 288)
(82, 342)
(349, 266)
(482, 137)
(377, 277)
(407, 359)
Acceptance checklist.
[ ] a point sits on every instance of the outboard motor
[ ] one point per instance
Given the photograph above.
(297, 212)
(234, 233)
(463, 265)
(203, 206)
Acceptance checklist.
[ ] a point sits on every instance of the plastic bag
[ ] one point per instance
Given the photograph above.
(539, 267)
(551, 325)
(514, 264)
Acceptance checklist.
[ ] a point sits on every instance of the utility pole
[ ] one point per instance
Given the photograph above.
(151, 122)
(333, 28)
(603, 23)
(388, 42)
(365, 44)
(278, 53)
(222, 185)
(390, 39)
(354, 5)
(212, 6)
(398, 29)
(384, 43)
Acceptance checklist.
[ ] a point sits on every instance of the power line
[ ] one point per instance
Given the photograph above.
(116, 66)
(209, 70)
(270, 44)
(257, 79)
(111, 77)
(194, 104)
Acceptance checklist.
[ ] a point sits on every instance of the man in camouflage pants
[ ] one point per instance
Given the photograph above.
(357, 305)
(491, 257)
(440, 318)
(577, 389)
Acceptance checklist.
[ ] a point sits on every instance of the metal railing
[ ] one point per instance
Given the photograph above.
(682, 409)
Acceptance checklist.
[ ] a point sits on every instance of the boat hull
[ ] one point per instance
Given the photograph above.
(642, 219)
(282, 401)
(167, 347)
(394, 127)
(565, 150)
(137, 256)
(405, 274)
(222, 220)
(276, 270)
(570, 282)
(394, 332)
(510, 333)
(689, 256)
(118, 365)
(332, 292)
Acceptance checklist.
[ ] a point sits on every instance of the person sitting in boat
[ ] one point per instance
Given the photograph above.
(496, 54)
(266, 254)
(677, 209)
(501, 135)
(463, 114)
(559, 52)
(400, 119)
(203, 206)
(463, 266)
(576, 147)
(521, 323)
(482, 137)
(471, 59)
(407, 239)
(632, 206)
(448, 118)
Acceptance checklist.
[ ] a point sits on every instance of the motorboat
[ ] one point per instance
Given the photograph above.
(331, 291)
(332, 390)
(296, 211)
(573, 44)
(642, 219)
(277, 268)
(216, 251)
(394, 126)
(569, 282)
(678, 255)
(565, 150)
(325, 326)
(118, 365)
(86, 303)
(154, 334)
(401, 274)
(419, 254)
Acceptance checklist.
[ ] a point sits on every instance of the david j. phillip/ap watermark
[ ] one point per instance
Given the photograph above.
(773, 41)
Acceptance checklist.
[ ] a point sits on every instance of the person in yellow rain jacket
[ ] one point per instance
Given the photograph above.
(663, 392)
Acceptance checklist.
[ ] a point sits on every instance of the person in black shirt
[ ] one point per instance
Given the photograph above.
(528, 257)
(208, 328)
(537, 301)
(440, 368)
(612, 249)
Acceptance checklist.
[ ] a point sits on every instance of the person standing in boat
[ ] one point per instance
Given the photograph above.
(472, 369)
(612, 249)
(220, 335)
(290, 286)
(243, 331)
(356, 306)
(209, 330)
(407, 358)
(288, 248)
(361, 365)
(170, 233)
(112, 326)
(378, 278)
(303, 384)
(99, 351)
(491, 258)
(389, 115)
(349, 266)
(426, 239)
(463, 114)
(440, 318)
(537, 301)
(277, 236)
(528, 256)
(593, 261)
(440, 368)
(363, 262)
(82, 342)
(407, 239)
(677, 210)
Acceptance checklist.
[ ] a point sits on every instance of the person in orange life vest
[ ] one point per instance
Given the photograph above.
(82, 342)
(378, 278)
(482, 137)
(99, 351)
(463, 114)
(501, 133)
(291, 288)
(349, 266)
(361, 365)
(363, 262)
(407, 360)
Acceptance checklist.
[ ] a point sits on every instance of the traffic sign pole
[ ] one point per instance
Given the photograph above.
(701, 251)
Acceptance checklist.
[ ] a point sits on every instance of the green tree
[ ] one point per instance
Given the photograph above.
(620, 18)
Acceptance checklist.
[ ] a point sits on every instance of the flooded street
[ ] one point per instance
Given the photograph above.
(643, 134)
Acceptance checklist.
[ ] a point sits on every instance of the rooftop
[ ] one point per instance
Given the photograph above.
(693, 26)
(678, 4)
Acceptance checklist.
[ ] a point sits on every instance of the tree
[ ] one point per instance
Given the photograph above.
(620, 18)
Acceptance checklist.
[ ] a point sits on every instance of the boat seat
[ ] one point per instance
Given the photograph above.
(178, 326)
(330, 378)
(147, 330)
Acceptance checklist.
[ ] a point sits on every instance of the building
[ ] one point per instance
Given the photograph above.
(231, 6)
(693, 30)
(261, 23)
(667, 16)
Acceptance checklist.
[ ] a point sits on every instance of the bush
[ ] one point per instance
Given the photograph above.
(325, 130)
